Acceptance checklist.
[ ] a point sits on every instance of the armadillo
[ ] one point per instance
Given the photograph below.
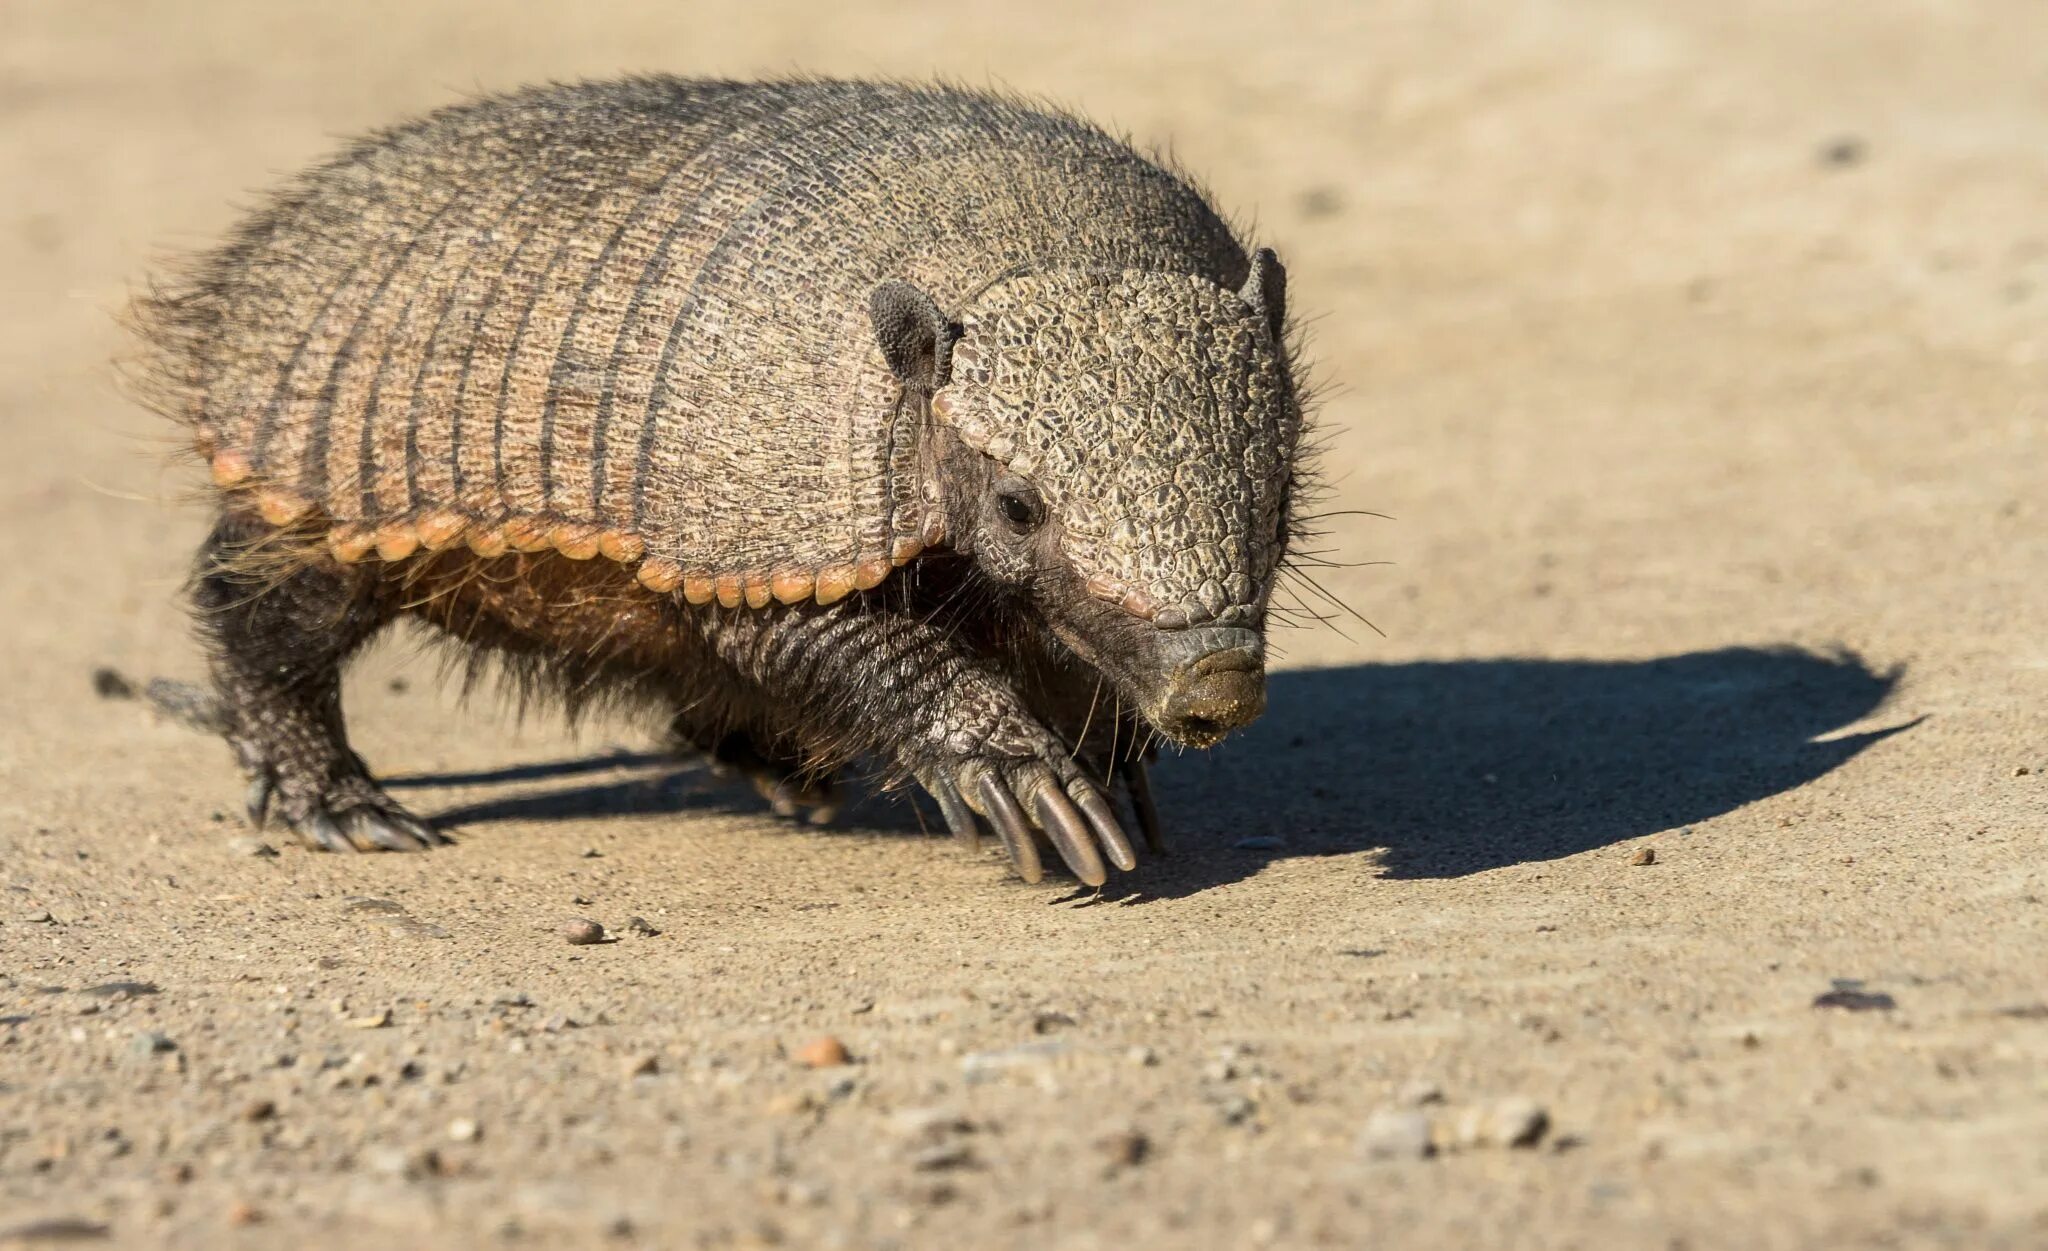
(832, 421)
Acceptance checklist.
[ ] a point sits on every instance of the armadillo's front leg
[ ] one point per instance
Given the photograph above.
(902, 688)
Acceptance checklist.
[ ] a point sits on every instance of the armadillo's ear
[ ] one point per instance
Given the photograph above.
(1266, 290)
(916, 338)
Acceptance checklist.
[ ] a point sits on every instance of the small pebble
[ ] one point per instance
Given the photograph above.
(38, 917)
(929, 1124)
(243, 845)
(581, 932)
(59, 1229)
(260, 1110)
(823, 1053)
(2020, 771)
(462, 1129)
(943, 1157)
(150, 1043)
(1420, 1094)
(1396, 1135)
(119, 991)
(1842, 151)
(110, 684)
(1512, 1122)
(643, 1064)
(790, 1103)
(241, 1212)
(1124, 1149)
(1143, 1057)
(639, 925)
(1051, 1022)
(1851, 1000)
(1644, 855)
(376, 1020)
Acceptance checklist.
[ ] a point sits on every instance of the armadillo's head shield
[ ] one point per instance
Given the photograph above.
(1154, 416)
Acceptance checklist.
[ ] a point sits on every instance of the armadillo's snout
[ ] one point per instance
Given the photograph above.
(1218, 691)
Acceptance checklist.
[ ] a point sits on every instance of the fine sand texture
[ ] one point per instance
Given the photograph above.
(1689, 787)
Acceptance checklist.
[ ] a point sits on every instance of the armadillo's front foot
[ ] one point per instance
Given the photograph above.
(346, 814)
(1046, 790)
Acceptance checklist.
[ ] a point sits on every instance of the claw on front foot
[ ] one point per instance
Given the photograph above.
(366, 827)
(1016, 798)
(1000, 806)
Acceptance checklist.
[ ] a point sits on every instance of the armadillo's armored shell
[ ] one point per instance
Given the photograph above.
(630, 320)
(1153, 412)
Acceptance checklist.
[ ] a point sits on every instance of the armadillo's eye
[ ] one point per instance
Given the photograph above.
(1020, 504)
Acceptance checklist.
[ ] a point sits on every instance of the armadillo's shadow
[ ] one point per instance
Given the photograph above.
(1455, 767)
(1439, 768)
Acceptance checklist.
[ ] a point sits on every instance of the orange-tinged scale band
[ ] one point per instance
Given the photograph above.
(489, 541)
(727, 587)
(758, 591)
(624, 548)
(660, 575)
(281, 508)
(934, 529)
(835, 582)
(231, 468)
(869, 574)
(697, 588)
(397, 541)
(575, 542)
(351, 543)
(1139, 604)
(905, 551)
(788, 588)
(440, 530)
(524, 534)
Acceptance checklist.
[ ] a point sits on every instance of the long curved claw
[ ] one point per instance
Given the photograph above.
(1139, 783)
(1102, 819)
(1008, 818)
(319, 832)
(389, 830)
(1062, 823)
(256, 802)
(959, 817)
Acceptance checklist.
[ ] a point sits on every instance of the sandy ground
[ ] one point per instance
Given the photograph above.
(1698, 350)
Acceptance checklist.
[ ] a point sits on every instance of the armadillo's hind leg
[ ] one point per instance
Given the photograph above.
(792, 788)
(278, 639)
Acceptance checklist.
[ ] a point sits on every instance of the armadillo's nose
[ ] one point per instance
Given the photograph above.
(1217, 692)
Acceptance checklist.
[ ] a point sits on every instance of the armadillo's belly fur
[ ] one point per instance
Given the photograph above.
(630, 320)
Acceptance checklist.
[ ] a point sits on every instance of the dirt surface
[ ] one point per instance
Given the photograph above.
(1698, 350)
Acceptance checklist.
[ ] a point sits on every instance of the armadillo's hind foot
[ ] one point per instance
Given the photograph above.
(350, 814)
(792, 788)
